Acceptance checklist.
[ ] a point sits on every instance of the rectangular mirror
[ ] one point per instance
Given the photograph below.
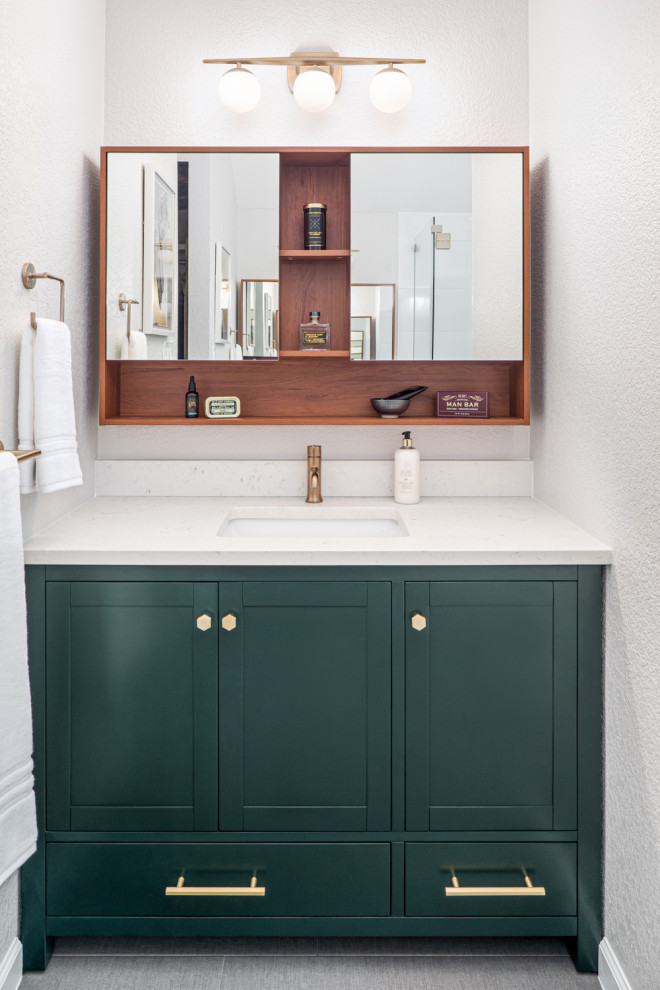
(375, 304)
(259, 318)
(184, 232)
(192, 256)
(445, 230)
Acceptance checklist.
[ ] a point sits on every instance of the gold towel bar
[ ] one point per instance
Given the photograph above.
(29, 276)
(529, 890)
(21, 455)
(181, 891)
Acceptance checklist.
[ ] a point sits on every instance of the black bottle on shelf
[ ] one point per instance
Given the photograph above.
(192, 400)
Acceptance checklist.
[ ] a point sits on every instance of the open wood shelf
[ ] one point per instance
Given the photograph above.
(314, 421)
(291, 255)
(308, 354)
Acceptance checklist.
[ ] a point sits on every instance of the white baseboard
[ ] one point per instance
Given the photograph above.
(610, 973)
(11, 967)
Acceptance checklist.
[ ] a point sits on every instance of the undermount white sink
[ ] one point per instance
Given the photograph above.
(310, 523)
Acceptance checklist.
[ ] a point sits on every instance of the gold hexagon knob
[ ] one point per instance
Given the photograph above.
(229, 622)
(418, 622)
(204, 621)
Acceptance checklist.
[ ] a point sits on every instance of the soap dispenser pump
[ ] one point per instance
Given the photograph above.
(406, 472)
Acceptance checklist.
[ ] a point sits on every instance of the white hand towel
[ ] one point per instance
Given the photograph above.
(237, 353)
(18, 823)
(45, 407)
(26, 410)
(135, 347)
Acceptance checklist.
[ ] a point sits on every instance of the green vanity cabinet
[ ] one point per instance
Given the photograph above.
(131, 688)
(362, 740)
(305, 706)
(491, 705)
(135, 696)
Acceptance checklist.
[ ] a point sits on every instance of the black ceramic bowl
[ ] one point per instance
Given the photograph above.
(390, 408)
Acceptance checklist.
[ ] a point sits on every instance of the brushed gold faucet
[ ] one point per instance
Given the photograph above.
(314, 473)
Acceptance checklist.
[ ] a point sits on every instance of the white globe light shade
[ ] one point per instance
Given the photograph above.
(390, 90)
(239, 90)
(314, 90)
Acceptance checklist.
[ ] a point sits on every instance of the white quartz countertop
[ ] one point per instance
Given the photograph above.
(442, 530)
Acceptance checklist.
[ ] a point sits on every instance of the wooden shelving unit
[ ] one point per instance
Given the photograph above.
(291, 255)
(326, 387)
(309, 421)
(308, 281)
(315, 354)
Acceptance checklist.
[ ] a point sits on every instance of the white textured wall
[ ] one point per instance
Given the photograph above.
(595, 106)
(51, 116)
(473, 91)
(51, 104)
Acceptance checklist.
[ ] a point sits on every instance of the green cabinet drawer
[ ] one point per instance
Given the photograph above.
(430, 867)
(300, 879)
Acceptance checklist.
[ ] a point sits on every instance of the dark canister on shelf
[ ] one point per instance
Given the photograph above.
(314, 226)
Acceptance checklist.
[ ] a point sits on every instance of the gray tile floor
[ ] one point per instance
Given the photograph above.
(310, 964)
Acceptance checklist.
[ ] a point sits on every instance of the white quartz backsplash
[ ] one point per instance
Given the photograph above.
(349, 479)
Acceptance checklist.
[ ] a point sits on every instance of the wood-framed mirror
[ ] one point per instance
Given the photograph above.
(198, 281)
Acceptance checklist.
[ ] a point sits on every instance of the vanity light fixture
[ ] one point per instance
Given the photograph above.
(314, 90)
(314, 78)
(390, 90)
(239, 90)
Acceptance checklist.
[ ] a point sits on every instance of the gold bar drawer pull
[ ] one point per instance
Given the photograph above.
(181, 891)
(529, 890)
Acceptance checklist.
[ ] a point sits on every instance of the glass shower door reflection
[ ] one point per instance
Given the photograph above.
(423, 294)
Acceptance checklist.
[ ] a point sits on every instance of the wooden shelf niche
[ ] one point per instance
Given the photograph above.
(315, 280)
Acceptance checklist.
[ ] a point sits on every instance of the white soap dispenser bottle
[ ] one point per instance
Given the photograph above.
(406, 472)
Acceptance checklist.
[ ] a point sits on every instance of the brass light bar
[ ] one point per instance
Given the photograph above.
(314, 58)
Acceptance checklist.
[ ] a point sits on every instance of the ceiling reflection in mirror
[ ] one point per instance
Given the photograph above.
(186, 233)
(446, 230)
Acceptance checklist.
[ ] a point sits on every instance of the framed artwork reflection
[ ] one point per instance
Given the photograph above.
(159, 313)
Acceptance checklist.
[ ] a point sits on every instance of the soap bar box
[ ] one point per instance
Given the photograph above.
(464, 405)
(222, 407)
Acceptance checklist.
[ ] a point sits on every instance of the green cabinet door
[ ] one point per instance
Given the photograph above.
(305, 705)
(491, 705)
(131, 705)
